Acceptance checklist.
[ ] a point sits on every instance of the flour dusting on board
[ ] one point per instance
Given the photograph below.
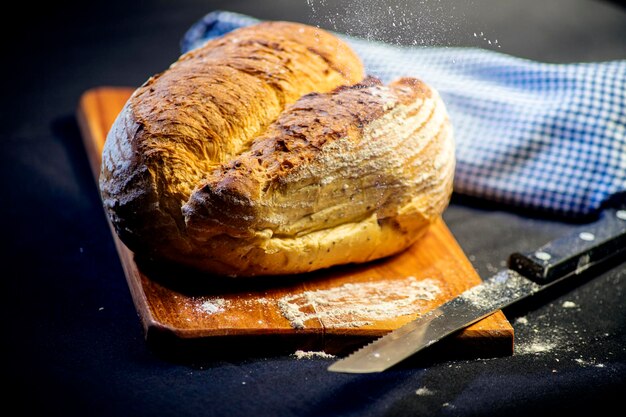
(212, 305)
(359, 304)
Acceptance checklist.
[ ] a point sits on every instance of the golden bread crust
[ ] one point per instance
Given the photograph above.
(263, 152)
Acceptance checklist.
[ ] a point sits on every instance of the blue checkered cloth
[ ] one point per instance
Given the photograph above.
(546, 137)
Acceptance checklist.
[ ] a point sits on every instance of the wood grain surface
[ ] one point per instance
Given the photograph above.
(184, 312)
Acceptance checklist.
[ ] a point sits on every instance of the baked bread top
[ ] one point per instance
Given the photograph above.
(265, 152)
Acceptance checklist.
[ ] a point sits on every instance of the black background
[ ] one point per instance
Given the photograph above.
(74, 344)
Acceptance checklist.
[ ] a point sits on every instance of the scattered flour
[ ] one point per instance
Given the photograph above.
(521, 320)
(536, 347)
(213, 305)
(540, 340)
(359, 304)
(301, 354)
(583, 362)
(500, 289)
(424, 391)
(263, 301)
(397, 22)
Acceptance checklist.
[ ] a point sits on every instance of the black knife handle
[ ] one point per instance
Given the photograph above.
(588, 245)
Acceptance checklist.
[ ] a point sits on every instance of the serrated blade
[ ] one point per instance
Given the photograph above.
(504, 288)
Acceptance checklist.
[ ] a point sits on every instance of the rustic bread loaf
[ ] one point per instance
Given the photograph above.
(265, 152)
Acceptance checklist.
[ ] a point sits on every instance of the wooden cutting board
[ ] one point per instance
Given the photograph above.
(334, 310)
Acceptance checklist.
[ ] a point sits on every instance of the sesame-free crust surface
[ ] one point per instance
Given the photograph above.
(182, 312)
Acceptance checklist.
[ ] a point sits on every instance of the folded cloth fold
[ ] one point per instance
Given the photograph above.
(546, 137)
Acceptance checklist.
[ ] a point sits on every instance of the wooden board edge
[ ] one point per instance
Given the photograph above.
(88, 114)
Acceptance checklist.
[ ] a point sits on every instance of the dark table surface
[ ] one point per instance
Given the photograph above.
(73, 341)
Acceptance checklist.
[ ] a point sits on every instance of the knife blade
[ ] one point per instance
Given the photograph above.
(527, 273)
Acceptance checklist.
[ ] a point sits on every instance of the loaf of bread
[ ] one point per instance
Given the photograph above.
(267, 152)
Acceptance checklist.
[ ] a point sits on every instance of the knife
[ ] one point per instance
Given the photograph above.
(527, 274)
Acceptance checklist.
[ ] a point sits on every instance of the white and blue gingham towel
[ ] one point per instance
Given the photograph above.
(549, 137)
